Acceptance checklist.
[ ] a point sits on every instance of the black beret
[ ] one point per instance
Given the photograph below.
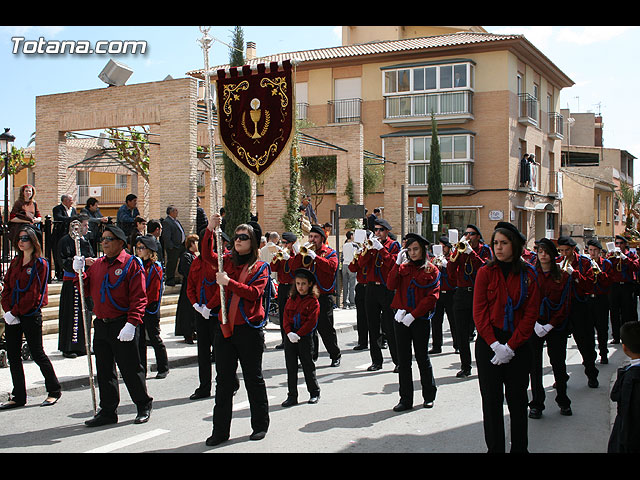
(445, 241)
(383, 223)
(511, 227)
(225, 237)
(414, 237)
(594, 243)
(319, 230)
(36, 232)
(257, 230)
(117, 231)
(289, 237)
(473, 227)
(565, 240)
(548, 246)
(624, 239)
(148, 241)
(303, 272)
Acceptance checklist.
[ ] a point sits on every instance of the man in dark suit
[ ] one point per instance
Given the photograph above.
(173, 238)
(62, 215)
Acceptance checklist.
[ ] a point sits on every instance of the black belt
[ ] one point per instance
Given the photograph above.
(112, 320)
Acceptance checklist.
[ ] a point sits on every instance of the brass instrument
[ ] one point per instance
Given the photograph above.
(563, 265)
(595, 267)
(461, 246)
(75, 232)
(306, 248)
(279, 255)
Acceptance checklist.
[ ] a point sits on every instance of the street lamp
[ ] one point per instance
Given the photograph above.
(6, 139)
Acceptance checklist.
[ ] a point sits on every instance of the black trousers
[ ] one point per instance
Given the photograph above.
(599, 310)
(173, 256)
(582, 327)
(302, 350)
(206, 330)
(463, 318)
(325, 329)
(31, 328)
(380, 318)
(621, 306)
(246, 346)
(109, 352)
(556, 341)
(415, 335)
(498, 382)
(361, 315)
(150, 329)
(283, 296)
(444, 305)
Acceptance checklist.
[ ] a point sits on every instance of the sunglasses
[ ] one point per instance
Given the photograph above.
(24, 238)
(470, 233)
(107, 239)
(140, 247)
(241, 236)
(379, 229)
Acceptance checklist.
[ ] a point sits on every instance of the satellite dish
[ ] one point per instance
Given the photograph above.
(115, 73)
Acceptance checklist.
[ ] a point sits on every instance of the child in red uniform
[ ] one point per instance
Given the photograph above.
(417, 285)
(555, 294)
(300, 320)
(506, 304)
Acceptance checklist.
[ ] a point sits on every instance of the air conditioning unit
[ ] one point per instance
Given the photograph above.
(115, 73)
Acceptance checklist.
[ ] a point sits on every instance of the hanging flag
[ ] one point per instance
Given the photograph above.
(256, 114)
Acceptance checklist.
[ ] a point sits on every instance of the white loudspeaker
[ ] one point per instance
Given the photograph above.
(115, 73)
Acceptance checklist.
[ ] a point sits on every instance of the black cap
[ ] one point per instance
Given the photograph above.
(566, 240)
(319, 230)
(414, 237)
(445, 241)
(383, 223)
(148, 241)
(594, 243)
(473, 227)
(117, 231)
(289, 237)
(511, 227)
(548, 246)
(35, 230)
(257, 230)
(624, 239)
(303, 272)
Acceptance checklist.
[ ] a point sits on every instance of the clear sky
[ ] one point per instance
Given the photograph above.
(602, 61)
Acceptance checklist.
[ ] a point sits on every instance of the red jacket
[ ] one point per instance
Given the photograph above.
(153, 281)
(324, 267)
(602, 280)
(32, 278)
(380, 262)
(582, 276)
(362, 274)
(118, 288)
(417, 288)
(624, 270)
(283, 269)
(202, 287)
(555, 298)
(466, 266)
(301, 315)
(490, 297)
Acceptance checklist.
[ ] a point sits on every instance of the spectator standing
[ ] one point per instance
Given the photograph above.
(348, 277)
(127, 214)
(173, 238)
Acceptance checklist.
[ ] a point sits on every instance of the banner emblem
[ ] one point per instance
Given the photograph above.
(256, 114)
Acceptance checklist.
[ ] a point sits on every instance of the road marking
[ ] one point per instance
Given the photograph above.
(245, 404)
(128, 441)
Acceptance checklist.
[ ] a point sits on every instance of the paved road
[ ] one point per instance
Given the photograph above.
(354, 414)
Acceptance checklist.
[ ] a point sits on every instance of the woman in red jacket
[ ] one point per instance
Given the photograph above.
(417, 285)
(245, 279)
(23, 295)
(300, 320)
(506, 304)
(555, 294)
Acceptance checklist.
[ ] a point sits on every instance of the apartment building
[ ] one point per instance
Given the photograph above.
(495, 98)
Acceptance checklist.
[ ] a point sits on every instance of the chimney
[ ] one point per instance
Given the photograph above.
(251, 51)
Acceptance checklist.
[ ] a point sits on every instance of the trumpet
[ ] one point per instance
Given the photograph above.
(279, 255)
(438, 260)
(595, 267)
(461, 246)
(306, 248)
(563, 265)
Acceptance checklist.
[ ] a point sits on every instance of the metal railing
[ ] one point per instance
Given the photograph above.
(421, 105)
(528, 107)
(556, 125)
(106, 194)
(345, 111)
(452, 173)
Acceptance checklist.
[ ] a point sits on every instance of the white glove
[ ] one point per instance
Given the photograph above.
(569, 269)
(127, 333)
(402, 257)
(78, 263)
(205, 312)
(468, 250)
(11, 319)
(37, 220)
(285, 256)
(443, 262)
(376, 244)
(293, 337)
(198, 308)
(400, 315)
(311, 254)
(623, 256)
(408, 319)
(542, 330)
(296, 248)
(503, 353)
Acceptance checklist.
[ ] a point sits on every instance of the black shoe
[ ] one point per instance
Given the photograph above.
(289, 402)
(213, 440)
(428, 404)
(52, 399)
(604, 360)
(335, 362)
(280, 346)
(162, 374)
(198, 395)
(69, 354)
(360, 347)
(401, 407)
(374, 367)
(257, 435)
(535, 413)
(396, 369)
(435, 350)
(102, 419)
(143, 414)
(12, 403)
(314, 399)
(463, 373)
(593, 383)
(566, 411)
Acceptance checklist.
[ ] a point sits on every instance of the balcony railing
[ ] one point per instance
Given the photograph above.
(556, 126)
(302, 111)
(528, 109)
(419, 106)
(345, 111)
(453, 174)
(106, 194)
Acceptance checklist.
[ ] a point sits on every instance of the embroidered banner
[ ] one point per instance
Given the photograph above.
(256, 114)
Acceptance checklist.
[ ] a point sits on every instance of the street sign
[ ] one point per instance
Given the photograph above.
(350, 211)
(435, 214)
(419, 205)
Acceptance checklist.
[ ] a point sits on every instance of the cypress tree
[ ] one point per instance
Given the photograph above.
(435, 173)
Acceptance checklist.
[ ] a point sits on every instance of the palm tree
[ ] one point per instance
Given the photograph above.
(631, 199)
